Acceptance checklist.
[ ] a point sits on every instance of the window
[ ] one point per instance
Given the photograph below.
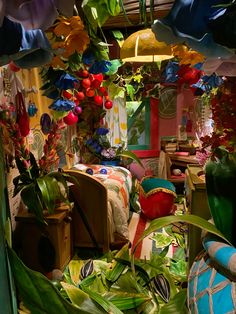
(143, 127)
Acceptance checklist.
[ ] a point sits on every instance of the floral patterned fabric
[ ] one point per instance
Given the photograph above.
(116, 119)
(118, 181)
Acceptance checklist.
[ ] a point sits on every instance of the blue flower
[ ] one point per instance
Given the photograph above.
(170, 73)
(206, 83)
(65, 81)
(61, 104)
(100, 67)
(102, 131)
(88, 57)
(89, 141)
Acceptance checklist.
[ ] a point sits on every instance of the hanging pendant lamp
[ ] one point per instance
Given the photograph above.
(142, 46)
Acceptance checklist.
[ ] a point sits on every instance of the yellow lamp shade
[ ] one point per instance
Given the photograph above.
(142, 46)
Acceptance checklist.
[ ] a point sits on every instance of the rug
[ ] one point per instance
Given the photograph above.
(137, 224)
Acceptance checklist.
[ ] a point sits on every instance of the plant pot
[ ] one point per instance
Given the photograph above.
(221, 192)
(115, 162)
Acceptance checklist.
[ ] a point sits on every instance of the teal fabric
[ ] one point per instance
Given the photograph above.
(222, 253)
(210, 280)
(151, 183)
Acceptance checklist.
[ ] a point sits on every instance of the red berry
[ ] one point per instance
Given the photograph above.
(103, 90)
(95, 83)
(90, 92)
(13, 67)
(80, 96)
(98, 100)
(108, 104)
(98, 77)
(66, 94)
(71, 118)
(86, 83)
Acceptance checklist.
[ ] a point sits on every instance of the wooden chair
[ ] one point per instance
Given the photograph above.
(90, 214)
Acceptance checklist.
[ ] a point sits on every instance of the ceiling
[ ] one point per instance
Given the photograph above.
(132, 9)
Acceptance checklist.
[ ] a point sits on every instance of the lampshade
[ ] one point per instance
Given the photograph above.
(142, 46)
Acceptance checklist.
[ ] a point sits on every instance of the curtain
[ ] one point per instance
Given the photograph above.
(116, 122)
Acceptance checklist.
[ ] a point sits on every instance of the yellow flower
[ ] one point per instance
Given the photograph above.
(179, 50)
(115, 109)
(192, 57)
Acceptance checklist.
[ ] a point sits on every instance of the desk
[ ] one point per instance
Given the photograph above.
(176, 160)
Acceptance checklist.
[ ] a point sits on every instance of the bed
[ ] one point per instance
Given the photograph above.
(101, 202)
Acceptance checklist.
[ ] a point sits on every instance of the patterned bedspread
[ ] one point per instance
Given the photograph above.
(118, 181)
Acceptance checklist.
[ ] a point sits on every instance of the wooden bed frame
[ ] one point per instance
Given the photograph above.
(90, 213)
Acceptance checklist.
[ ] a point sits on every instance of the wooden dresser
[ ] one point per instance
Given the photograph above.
(197, 204)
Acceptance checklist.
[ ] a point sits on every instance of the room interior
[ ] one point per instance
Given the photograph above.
(117, 157)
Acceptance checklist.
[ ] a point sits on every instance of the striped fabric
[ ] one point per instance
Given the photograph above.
(138, 223)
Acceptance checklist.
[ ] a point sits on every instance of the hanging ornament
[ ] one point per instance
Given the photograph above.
(46, 123)
(32, 109)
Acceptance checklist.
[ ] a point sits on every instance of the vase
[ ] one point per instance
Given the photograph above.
(115, 162)
(221, 192)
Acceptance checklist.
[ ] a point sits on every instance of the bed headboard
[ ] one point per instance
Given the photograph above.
(90, 196)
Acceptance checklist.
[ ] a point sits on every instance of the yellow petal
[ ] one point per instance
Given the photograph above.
(75, 22)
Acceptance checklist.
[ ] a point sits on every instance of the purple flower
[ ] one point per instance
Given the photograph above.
(102, 131)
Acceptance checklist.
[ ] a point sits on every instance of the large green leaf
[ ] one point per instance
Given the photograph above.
(197, 221)
(106, 305)
(117, 267)
(74, 270)
(50, 191)
(127, 301)
(31, 199)
(37, 293)
(82, 299)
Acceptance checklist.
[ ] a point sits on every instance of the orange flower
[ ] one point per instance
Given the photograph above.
(58, 63)
(186, 55)
(75, 22)
(63, 28)
(77, 40)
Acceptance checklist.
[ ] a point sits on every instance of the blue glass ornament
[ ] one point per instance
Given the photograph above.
(61, 104)
(89, 171)
(103, 171)
(32, 109)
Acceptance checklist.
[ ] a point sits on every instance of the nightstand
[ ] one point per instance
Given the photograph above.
(197, 204)
(47, 248)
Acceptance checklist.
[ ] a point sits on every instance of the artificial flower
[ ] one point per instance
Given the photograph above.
(207, 83)
(61, 104)
(76, 41)
(100, 67)
(58, 63)
(66, 81)
(170, 74)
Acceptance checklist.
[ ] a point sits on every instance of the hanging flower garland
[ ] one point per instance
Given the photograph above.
(69, 39)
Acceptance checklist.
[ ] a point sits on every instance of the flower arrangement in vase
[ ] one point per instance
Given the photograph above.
(41, 186)
(99, 145)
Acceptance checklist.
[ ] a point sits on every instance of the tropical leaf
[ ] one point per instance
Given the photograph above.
(127, 301)
(50, 191)
(37, 293)
(31, 199)
(117, 267)
(82, 300)
(74, 270)
(106, 305)
(197, 221)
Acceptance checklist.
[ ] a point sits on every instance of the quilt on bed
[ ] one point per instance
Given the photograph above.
(118, 181)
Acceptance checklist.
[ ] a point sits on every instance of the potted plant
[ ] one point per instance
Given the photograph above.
(41, 186)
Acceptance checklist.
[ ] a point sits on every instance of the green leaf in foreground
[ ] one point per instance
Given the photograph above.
(191, 219)
(37, 293)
